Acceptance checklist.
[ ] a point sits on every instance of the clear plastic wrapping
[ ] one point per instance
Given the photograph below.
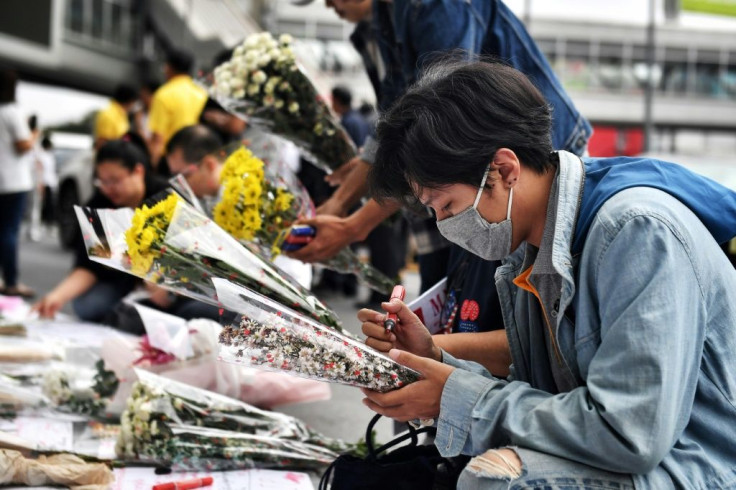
(187, 428)
(269, 336)
(263, 83)
(174, 245)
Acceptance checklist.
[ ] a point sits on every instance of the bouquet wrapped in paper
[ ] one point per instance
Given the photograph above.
(187, 428)
(263, 82)
(272, 337)
(258, 207)
(174, 245)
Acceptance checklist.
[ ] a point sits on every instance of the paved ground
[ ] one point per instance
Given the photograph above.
(44, 264)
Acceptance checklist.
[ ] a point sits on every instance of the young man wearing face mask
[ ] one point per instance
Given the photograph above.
(617, 299)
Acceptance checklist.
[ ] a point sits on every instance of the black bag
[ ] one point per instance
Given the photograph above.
(407, 468)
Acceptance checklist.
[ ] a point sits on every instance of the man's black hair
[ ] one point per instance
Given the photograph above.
(342, 95)
(180, 61)
(126, 153)
(195, 143)
(151, 85)
(448, 127)
(125, 94)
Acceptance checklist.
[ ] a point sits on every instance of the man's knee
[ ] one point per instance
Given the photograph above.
(499, 463)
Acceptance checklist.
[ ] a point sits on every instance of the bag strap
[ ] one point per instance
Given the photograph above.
(373, 453)
(413, 435)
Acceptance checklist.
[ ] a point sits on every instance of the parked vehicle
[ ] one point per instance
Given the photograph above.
(75, 167)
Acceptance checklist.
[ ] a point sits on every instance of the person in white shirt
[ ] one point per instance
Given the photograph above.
(16, 179)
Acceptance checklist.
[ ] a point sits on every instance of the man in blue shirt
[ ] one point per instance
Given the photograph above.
(351, 120)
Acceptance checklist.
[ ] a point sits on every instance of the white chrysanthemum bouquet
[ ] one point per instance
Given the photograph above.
(263, 82)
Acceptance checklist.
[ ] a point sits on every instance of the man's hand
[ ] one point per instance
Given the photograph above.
(419, 400)
(158, 295)
(409, 334)
(49, 305)
(339, 175)
(332, 235)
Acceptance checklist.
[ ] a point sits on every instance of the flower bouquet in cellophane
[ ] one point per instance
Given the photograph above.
(258, 207)
(174, 245)
(271, 337)
(263, 82)
(187, 428)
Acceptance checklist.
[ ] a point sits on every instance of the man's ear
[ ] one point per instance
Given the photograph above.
(508, 166)
(210, 163)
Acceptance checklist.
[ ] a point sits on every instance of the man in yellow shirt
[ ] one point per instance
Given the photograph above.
(178, 103)
(112, 122)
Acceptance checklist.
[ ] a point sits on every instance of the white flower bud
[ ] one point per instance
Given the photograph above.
(286, 39)
(236, 83)
(238, 51)
(253, 89)
(268, 101)
(263, 60)
(278, 103)
(239, 94)
(294, 107)
(259, 77)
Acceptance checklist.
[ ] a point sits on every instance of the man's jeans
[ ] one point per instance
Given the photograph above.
(541, 470)
(11, 215)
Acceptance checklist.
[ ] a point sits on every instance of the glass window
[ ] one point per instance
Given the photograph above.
(116, 24)
(97, 18)
(75, 16)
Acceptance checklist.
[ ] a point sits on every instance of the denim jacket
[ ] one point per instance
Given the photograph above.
(650, 348)
(485, 27)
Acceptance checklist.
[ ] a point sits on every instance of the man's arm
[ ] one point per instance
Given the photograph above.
(78, 282)
(334, 233)
(489, 349)
(350, 191)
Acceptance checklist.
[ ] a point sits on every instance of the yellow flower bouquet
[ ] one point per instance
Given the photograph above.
(172, 244)
(258, 208)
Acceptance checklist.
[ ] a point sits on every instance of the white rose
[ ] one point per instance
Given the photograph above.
(278, 103)
(286, 39)
(251, 42)
(259, 77)
(294, 107)
(274, 53)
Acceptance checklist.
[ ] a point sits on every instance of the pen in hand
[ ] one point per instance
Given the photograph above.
(391, 319)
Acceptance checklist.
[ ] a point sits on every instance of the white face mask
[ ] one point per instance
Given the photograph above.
(491, 241)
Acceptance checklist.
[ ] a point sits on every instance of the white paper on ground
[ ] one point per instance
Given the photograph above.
(46, 433)
(145, 478)
(428, 306)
